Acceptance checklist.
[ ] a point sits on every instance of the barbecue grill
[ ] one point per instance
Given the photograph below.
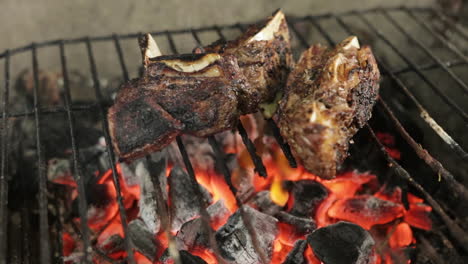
(424, 91)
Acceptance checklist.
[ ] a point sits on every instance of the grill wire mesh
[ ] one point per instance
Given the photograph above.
(382, 28)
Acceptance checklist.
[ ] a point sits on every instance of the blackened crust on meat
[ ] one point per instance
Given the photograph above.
(329, 96)
(175, 96)
(141, 126)
(264, 56)
(204, 101)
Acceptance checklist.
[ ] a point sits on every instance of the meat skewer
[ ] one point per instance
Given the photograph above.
(329, 96)
(199, 94)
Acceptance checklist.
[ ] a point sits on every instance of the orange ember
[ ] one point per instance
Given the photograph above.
(352, 196)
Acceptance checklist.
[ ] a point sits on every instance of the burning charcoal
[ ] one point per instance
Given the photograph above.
(307, 195)
(148, 203)
(342, 243)
(192, 235)
(112, 244)
(235, 242)
(264, 203)
(142, 238)
(185, 258)
(184, 205)
(366, 210)
(302, 224)
(218, 212)
(296, 255)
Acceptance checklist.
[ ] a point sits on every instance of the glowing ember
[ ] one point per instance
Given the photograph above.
(365, 210)
(352, 196)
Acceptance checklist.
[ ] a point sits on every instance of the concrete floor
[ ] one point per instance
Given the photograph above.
(25, 21)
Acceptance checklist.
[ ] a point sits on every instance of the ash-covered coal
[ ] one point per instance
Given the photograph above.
(142, 239)
(366, 210)
(192, 235)
(182, 193)
(342, 243)
(148, 202)
(302, 224)
(263, 202)
(185, 258)
(235, 242)
(296, 255)
(307, 194)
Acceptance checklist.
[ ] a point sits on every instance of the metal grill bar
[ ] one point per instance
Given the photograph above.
(447, 20)
(77, 168)
(183, 31)
(415, 68)
(423, 112)
(257, 161)
(110, 152)
(69, 108)
(118, 48)
(205, 217)
(451, 225)
(276, 133)
(431, 66)
(457, 233)
(446, 42)
(220, 159)
(92, 106)
(426, 50)
(433, 163)
(259, 166)
(3, 177)
(41, 166)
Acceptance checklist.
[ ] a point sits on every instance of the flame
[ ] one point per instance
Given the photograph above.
(352, 196)
(277, 193)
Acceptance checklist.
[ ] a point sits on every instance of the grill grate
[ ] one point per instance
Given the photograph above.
(70, 109)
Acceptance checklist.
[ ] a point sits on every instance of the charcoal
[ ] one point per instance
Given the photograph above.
(302, 225)
(148, 202)
(58, 168)
(342, 243)
(112, 244)
(264, 203)
(182, 193)
(218, 211)
(192, 235)
(142, 238)
(185, 258)
(307, 195)
(235, 242)
(296, 255)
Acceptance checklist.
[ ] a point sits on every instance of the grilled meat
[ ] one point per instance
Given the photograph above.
(192, 93)
(329, 96)
(264, 56)
(199, 94)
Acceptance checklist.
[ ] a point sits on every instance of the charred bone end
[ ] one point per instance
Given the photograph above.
(149, 48)
(270, 29)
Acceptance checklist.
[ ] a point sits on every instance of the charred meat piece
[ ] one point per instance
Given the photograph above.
(329, 96)
(193, 93)
(264, 56)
